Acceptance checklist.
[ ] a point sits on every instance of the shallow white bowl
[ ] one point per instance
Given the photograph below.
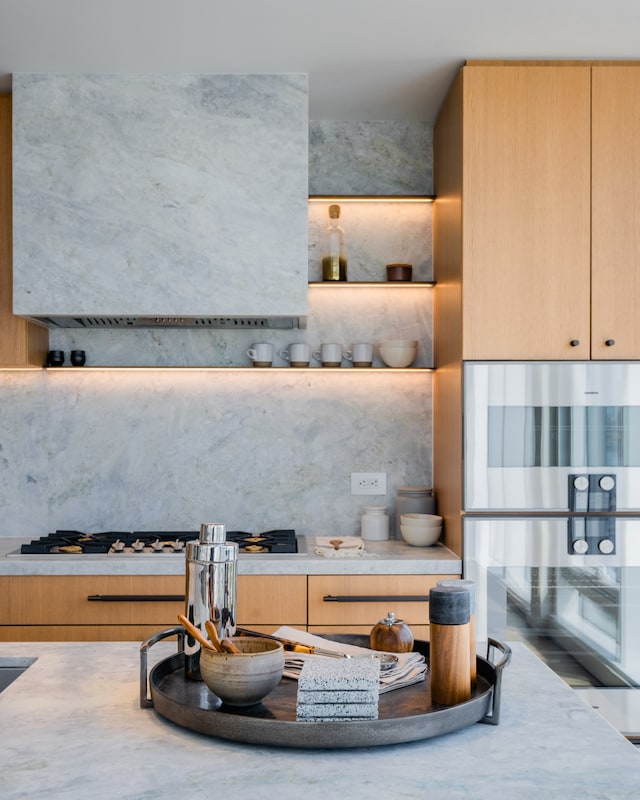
(420, 537)
(420, 520)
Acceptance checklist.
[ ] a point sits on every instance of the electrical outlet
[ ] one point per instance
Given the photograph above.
(368, 483)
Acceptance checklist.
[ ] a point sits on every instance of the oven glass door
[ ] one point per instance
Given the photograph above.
(579, 613)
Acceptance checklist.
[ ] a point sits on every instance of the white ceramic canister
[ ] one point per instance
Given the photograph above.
(375, 524)
(414, 500)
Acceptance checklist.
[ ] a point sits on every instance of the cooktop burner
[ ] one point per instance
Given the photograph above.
(64, 542)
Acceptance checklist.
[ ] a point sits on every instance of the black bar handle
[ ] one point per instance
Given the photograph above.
(376, 598)
(137, 598)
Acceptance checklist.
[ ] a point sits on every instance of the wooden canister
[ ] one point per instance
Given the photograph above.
(472, 623)
(449, 612)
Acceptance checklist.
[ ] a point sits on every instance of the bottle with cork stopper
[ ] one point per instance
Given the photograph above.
(334, 257)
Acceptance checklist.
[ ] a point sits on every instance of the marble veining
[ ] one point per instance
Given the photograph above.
(160, 194)
(72, 725)
(262, 450)
(370, 158)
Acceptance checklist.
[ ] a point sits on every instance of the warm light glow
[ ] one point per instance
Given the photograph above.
(374, 284)
(425, 198)
(254, 370)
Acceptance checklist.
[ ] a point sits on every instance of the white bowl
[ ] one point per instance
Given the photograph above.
(420, 537)
(420, 520)
(398, 353)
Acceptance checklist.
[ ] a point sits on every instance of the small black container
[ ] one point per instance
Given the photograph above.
(55, 358)
(78, 358)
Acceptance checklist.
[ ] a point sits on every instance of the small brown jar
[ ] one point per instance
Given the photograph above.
(391, 635)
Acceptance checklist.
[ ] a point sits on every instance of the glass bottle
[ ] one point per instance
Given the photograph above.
(334, 258)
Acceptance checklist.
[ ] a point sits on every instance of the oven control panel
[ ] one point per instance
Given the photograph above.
(592, 494)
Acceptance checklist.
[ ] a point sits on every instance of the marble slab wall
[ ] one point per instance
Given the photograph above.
(160, 194)
(256, 449)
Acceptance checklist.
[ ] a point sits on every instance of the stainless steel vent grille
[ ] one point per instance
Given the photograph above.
(218, 323)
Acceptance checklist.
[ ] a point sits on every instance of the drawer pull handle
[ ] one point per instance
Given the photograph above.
(376, 598)
(137, 598)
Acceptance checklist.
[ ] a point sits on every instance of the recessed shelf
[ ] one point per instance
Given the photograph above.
(253, 370)
(374, 284)
(378, 198)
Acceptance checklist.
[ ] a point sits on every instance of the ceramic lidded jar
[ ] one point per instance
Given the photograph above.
(391, 635)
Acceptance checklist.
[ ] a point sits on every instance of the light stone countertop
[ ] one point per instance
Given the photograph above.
(390, 557)
(71, 727)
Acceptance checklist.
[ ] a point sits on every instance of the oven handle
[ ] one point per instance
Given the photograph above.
(136, 598)
(493, 716)
(375, 598)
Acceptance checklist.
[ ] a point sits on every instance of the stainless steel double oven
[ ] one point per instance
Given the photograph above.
(552, 519)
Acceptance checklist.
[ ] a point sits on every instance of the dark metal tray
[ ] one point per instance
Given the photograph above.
(405, 715)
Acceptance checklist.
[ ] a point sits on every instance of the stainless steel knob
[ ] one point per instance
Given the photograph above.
(610, 342)
(574, 342)
(606, 483)
(581, 483)
(606, 546)
(580, 546)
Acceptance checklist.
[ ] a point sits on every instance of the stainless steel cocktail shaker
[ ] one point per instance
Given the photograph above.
(210, 589)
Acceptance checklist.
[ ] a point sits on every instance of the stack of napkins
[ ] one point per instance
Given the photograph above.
(408, 669)
(338, 690)
(341, 547)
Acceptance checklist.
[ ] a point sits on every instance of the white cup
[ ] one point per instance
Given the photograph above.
(297, 355)
(261, 354)
(360, 354)
(330, 355)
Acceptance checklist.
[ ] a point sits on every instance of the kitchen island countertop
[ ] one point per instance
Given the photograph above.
(71, 726)
(388, 557)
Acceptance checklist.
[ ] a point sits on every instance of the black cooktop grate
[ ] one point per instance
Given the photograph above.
(67, 542)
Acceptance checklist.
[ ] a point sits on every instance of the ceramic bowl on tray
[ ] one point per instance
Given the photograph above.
(245, 678)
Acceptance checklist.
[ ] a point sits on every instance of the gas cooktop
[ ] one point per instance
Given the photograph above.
(159, 543)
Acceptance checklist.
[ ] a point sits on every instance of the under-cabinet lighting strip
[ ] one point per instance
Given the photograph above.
(374, 284)
(253, 370)
(378, 198)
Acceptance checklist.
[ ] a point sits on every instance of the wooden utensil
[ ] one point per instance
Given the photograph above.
(335, 543)
(228, 646)
(213, 635)
(195, 632)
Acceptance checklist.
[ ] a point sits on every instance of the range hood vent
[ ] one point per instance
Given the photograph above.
(201, 323)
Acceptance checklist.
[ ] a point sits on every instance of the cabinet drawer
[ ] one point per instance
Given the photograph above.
(272, 601)
(117, 600)
(349, 600)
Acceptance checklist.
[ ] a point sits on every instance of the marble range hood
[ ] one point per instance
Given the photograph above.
(160, 200)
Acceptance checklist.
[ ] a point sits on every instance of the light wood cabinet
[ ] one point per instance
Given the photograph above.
(355, 603)
(129, 608)
(536, 243)
(532, 163)
(22, 344)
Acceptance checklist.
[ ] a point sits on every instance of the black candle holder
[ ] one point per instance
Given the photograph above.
(55, 358)
(78, 358)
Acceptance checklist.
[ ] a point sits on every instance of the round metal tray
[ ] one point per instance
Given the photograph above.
(405, 715)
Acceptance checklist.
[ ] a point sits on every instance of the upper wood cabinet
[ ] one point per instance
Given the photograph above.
(22, 344)
(537, 175)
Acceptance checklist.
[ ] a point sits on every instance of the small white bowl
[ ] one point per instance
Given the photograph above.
(420, 520)
(398, 353)
(420, 537)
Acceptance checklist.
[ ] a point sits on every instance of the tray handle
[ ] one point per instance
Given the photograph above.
(493, 716)
(177, 630)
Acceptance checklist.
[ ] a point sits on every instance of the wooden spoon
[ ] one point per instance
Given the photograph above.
(336, 543)
(195, 632)
(229, 646)
(213, 635)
